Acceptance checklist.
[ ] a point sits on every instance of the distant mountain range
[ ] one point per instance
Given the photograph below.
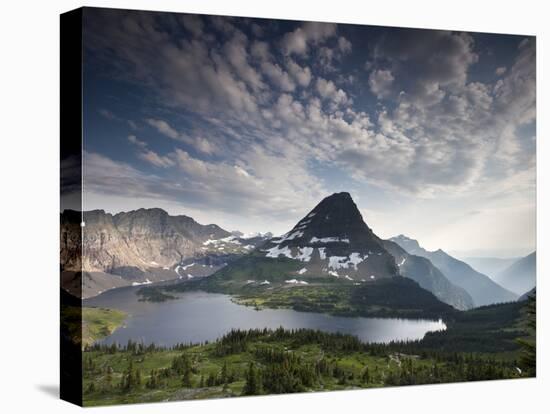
(141, 247)
(332, 243)
(489, 266)
(481, 288)
(520, 276)
(429, 277)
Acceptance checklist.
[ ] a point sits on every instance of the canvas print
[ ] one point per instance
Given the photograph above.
(257, 206)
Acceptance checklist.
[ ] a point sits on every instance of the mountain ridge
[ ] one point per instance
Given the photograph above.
(520, 276)
(481, 288)
(140, 247)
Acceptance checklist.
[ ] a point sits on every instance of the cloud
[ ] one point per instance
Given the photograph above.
(260, 188)
(380, 82)
(501, 70)
(302, 75)
(426, 63)
(344, 45)
(197, 142)
(236, 54)
(155, 159)
(107, 114)
(278, 76)
(193, 23)
(163, 127)
(328, 90)
(253, 106)
(134, 140)
(297, 41)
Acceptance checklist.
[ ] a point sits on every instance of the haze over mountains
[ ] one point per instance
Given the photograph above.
(482, 289)
(520, 276)
(489, 266)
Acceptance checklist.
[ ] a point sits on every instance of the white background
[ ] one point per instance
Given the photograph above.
(29, 148)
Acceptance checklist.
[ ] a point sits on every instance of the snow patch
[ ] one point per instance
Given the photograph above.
(333, 273)
(402, 261)
(328, 240)
(345, 262)
(348, 278)
(337, 262)
(187, 266)
(276, 251)
(292, 236)
(302, 271)
(296, 282)
(265, 282)
(215, 242)
(147, 282)
(322, 253)
(304, 254)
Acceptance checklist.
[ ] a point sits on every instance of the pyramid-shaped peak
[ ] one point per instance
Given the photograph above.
(337, 198)
(333, 240)
(336, 217)
(338, 202)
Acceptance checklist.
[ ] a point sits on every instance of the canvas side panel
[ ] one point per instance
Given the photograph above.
(71, 206)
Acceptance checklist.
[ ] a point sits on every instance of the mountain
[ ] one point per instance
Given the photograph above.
(526, 295)
(489, 266)
(333, 244)
(332, 239)
(521, 275)
(429, 277)
(481, 288)
(141, 247)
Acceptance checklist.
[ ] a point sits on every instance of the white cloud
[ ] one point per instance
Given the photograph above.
(297, 41)
(328, 90)
(155, 159)
(501, 70)
(380, 82)
(198, 142)
(278, 76)
(136, 141)
(163, 127)
(344, 45)
(439, 134)
(302, 75)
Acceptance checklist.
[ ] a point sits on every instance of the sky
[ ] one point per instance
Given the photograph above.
(249, 123)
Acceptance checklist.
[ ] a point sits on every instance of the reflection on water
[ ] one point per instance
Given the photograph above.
(200, 316)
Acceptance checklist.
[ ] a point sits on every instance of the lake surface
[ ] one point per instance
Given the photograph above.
(199, 316)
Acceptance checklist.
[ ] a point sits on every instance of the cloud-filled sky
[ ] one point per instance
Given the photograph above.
(249, 123)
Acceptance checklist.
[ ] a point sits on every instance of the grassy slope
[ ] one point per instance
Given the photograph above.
(387, 366)
(96, 323)
(390, 297)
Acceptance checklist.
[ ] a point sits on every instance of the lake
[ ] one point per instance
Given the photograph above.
(199, 316)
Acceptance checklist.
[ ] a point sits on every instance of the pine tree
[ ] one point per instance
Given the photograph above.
(252, 384)
(528, 358)
(365, 377)
(186, 381)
